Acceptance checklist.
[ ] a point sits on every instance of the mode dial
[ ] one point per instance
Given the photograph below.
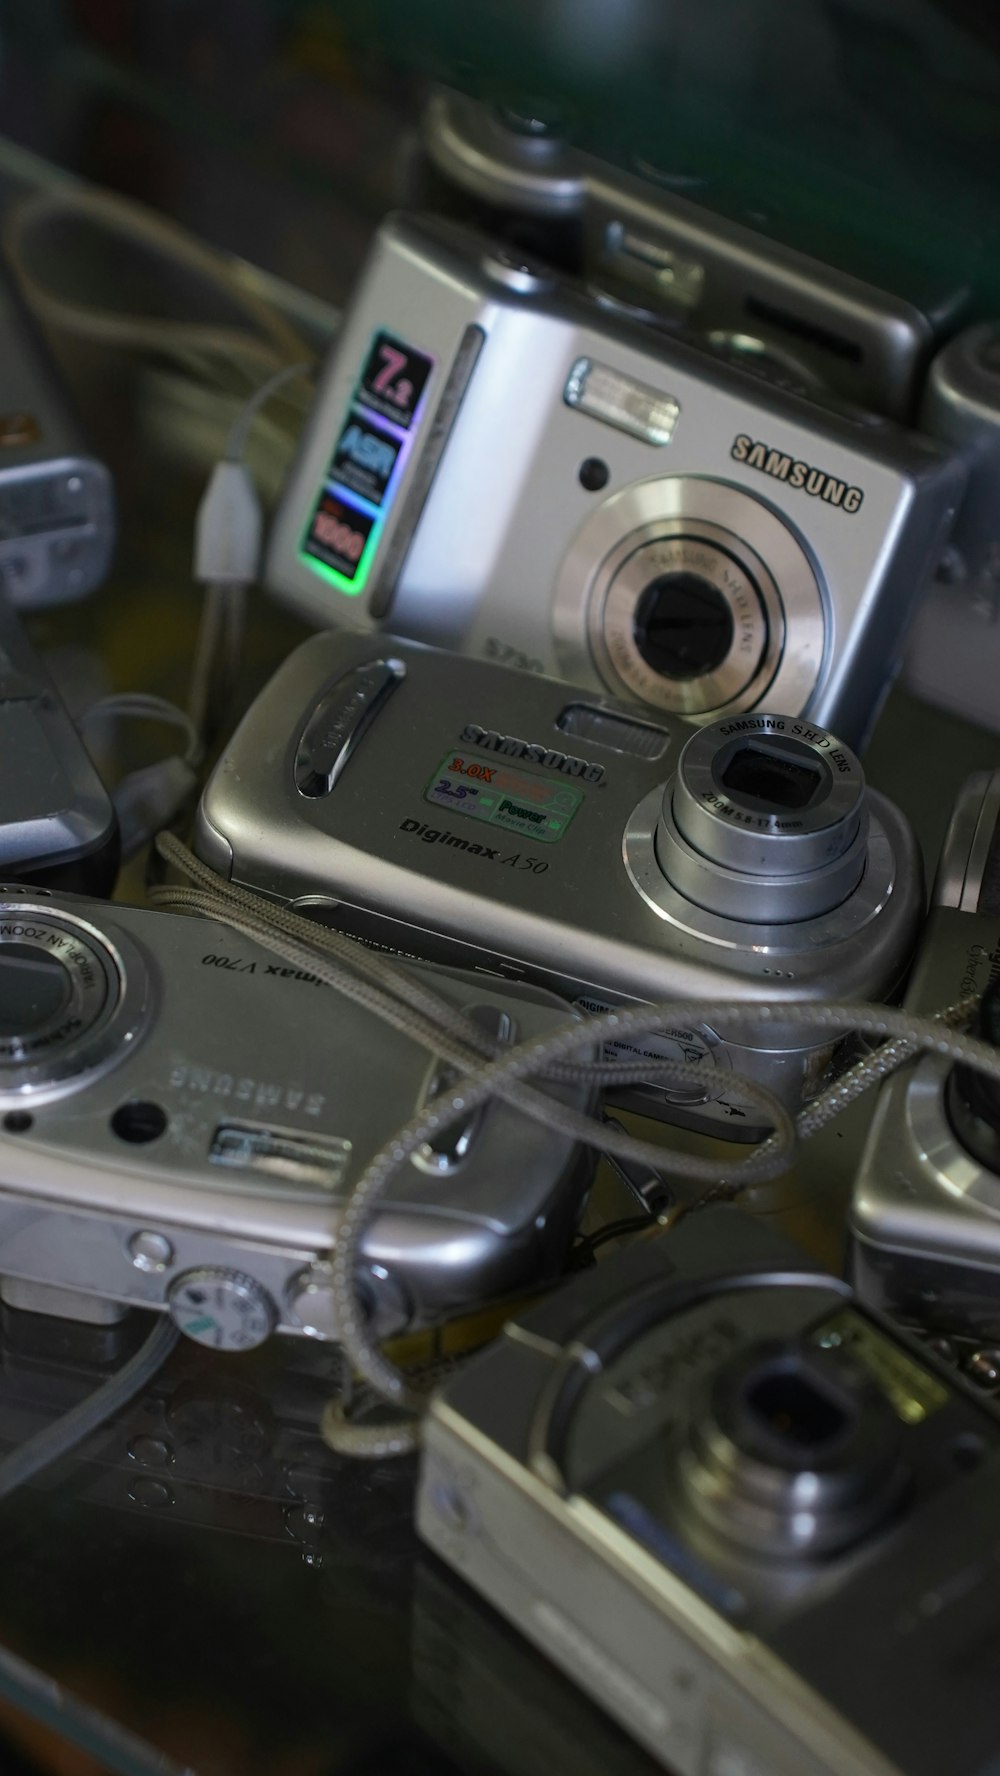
(221, 1308)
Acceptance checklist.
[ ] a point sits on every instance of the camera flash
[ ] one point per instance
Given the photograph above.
(620, 401)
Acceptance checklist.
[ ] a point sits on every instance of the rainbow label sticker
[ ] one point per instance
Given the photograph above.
(519, 801)
(367, 464)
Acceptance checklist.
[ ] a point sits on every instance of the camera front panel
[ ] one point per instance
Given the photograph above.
(454, 810)
(578, 496)
(712, 1447)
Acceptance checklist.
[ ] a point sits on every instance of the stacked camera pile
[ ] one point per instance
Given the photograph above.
(606, 599)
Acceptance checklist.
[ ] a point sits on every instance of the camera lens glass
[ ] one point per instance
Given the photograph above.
(770, 778)
(683, 625)
(794, 1413)
(34, 989)
(764, 820)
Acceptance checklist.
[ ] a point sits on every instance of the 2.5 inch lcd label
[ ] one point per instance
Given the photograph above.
(518, 801)
(367, 463)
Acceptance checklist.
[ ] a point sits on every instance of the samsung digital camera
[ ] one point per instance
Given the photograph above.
(497, 463)
(755, 1522)
(926, 1209)
(57, 823)
(455, 810)
(182, 1118)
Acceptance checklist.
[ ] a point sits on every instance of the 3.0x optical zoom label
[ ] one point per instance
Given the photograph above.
(521, 802)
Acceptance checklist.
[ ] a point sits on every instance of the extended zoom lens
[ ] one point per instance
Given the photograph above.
(794, 1452)
(764, 820)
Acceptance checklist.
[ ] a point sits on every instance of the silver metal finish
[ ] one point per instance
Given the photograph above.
(643, 413)
(735, 543)
(818, 530)
(310, 1299)
(926, 1211)
(111, 1184)
(150, 1251)
(969, 860)
(783, 942)
(731, 853)
(724, 1583)
(59, 1303)
(717, 274)
(524, 276)
(536, 172)
(336, 725)
(554, 876)
(953, 653)
(103, 1010)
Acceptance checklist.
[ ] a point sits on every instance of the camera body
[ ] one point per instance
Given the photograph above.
(953, 652)
(633, 234)
(720, 1495)
(57, 520)
(497, 463)
(182, 1117)
(925, 1217)
(57, 823)
(457, 811)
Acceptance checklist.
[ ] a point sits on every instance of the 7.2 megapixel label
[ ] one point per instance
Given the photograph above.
(367, 463)
(518, 801)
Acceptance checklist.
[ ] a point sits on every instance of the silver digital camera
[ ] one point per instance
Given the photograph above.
(925, 1218)
(457, 811)
(497, 463)
(952, 655)
(182, 1117)
(58, 826)
(753, 1521)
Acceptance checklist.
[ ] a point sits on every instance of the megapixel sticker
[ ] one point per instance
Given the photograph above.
(367, 464)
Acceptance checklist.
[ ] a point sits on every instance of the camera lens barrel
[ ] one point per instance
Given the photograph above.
(71, 999)
(794, 1453)
(764, 820)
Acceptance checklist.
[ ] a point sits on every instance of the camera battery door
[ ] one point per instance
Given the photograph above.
(720, 1495)
(58, 827)
(182, 1118)
(925, 1216)
(497, 463)
(453, 810)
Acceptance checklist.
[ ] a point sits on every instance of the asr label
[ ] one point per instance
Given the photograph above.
(521, 802)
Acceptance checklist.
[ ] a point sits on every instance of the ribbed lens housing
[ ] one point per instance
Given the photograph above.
(764, 820)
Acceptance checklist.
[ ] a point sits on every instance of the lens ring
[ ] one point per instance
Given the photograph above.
(794, 1452)
(726, 847)
(83, 1031)
(591, 630)
(752, 618)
